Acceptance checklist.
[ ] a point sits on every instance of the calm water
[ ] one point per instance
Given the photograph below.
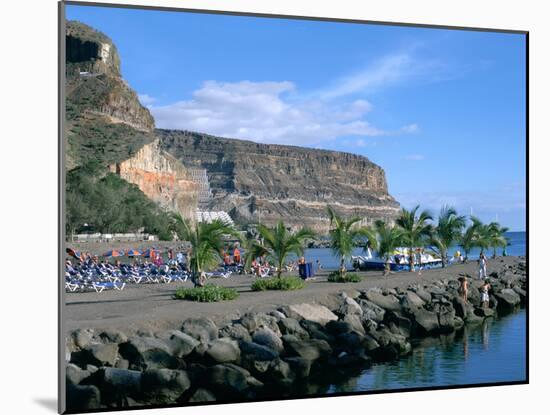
(493, 352)
(328, 261)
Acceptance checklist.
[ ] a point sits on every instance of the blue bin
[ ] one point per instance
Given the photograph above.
(306, 270)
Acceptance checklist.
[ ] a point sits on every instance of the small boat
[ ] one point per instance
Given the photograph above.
(399, 261)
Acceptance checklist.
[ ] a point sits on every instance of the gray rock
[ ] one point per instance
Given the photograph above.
(369, 343)
(280, 372)
(339, 327)
(402, 322)
(82, 337)
(122, 381)
(122, 364)
(371, 311)
(349, 306)
(313, 312)
(426, 320)
(508, 299)
(202, 395)
(230, 378)
(201, 328)
(424, 295)
(316, 330)
(463, 309)
(269, 338)
(164, 386)
(484, 312)
(412, 300)
(387, 302)
(102, 354)
(311, 349)
(181, 343)
(148, 353)
(255, 321)
(277, 314)
(236, 332)
(299, 365)
(290, 325)
(112, 336)
(446, 315)
(82, 397)
(224, 351)
(74, 374)
(257, 352)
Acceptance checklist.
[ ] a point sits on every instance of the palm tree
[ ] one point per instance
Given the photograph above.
(467, 240)
(345, 235)
(448, 230)
(389, 238)
(496, 236)
(482, 238)
(415, 229)
(206, 241)
(277, 243)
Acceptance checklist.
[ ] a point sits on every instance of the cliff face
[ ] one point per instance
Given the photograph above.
(161, 177)
(107, 128)
(258, 182)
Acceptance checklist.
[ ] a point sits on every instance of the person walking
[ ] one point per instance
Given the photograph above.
(482, 266)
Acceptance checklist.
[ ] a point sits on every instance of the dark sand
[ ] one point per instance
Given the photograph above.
(150, 306)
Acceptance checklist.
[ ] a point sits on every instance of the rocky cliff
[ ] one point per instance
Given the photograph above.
(108, 130)
(259, 182)
(161, 177)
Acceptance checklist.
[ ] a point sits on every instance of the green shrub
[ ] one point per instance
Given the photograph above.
(207, 294)
(283, 283)
(336, 277)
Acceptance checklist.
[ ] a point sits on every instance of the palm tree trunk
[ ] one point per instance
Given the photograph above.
(411, 259)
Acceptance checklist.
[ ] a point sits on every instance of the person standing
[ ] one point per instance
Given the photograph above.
(485, 294)
(463, 290)
(482, 266)
(236, 256)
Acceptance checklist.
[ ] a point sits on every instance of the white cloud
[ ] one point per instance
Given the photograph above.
(277, 112)
(271, 112)
(414, 157)
(146, 99)
(383, 72)
(390, 70)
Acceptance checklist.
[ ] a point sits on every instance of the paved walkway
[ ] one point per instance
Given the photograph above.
(151, 306)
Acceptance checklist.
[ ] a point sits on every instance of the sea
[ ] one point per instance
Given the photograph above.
(517, 247)
(493, 352)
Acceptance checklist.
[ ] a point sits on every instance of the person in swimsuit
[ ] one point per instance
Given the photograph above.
(463, 290)
(485, 294)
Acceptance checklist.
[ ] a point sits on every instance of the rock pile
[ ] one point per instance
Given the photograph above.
(263, 355)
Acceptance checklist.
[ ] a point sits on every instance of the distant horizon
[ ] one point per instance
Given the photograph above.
(314, 84)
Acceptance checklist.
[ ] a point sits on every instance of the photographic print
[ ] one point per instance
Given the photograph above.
(260, 208)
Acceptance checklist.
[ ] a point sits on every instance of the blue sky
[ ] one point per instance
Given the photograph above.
(442, 111)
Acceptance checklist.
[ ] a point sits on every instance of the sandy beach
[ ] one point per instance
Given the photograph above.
(151, 307)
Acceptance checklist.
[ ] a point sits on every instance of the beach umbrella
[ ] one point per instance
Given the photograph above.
(114, 253)
(133, 252)
(150, 252)
(73, 253)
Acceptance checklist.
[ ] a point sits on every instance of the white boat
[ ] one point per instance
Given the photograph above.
(399, 260)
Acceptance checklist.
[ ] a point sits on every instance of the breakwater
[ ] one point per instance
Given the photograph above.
(273, 354)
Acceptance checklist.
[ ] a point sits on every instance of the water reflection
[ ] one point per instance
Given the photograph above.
(490, 352)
